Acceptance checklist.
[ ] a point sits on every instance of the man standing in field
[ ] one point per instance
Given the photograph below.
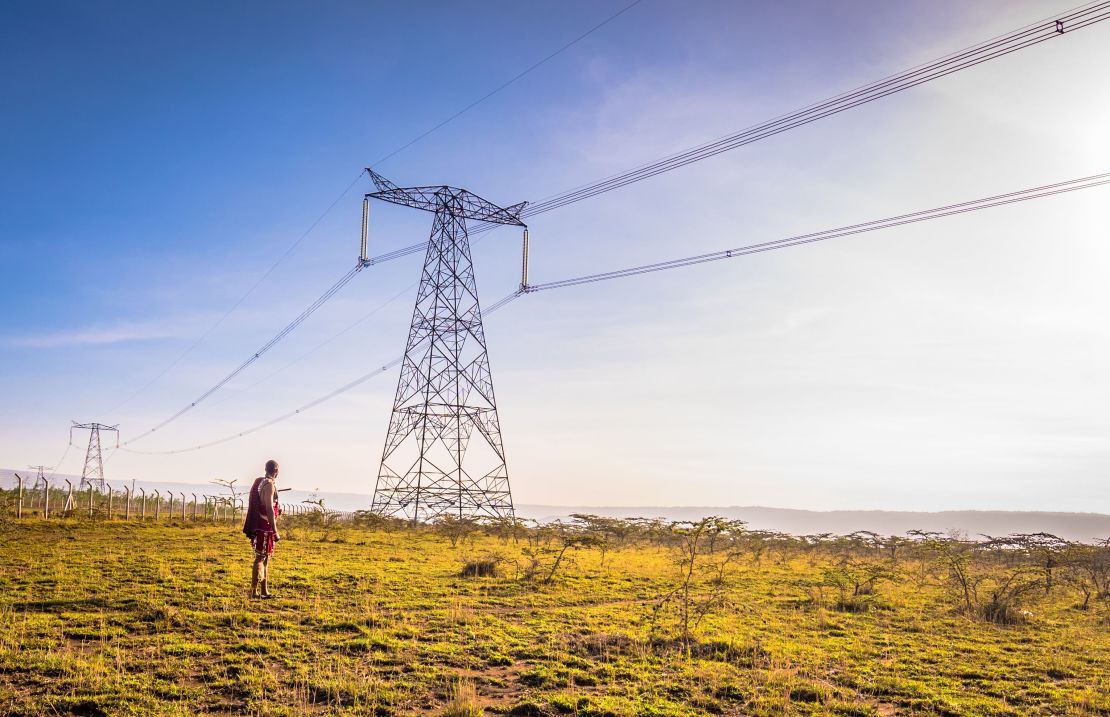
(260, 526)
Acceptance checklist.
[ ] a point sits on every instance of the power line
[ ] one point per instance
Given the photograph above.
(58, 463)
(954, 62)
(284, 332)
(371, 261)
(315, 402)
(991, 49)
(323, 343)
(873, 225)
(289, 328)
(1021, 38)
(516, 77)
(948, 210)
(189, 349)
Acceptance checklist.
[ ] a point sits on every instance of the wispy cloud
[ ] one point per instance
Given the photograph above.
(95, 335)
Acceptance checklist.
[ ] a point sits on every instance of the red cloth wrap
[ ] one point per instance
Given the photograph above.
(256, 525)
(263, 542)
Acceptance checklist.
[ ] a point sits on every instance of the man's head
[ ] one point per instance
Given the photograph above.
(272, 468)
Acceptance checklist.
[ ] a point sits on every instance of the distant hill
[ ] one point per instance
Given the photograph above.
(1071, 526)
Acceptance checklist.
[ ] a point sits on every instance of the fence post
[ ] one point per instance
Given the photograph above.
(157, 505)
(194, 507)
(90, 500)
(182, 507)
(110, 494)
(127, 506)
(19, 502)
(142, 513)
(45, 498)
(69, 506)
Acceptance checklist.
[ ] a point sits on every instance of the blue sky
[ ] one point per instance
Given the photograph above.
(159, 157)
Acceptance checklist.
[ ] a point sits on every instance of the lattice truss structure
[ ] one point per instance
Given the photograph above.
(443, 453)
(93, 472)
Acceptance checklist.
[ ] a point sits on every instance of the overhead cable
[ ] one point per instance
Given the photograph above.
(501, 303)
(189, 349)
(288, 329)
(1023, 195)
(1030, 35)
(1027, 36)
(873, 225)
(361, 320)
(516, 77)
(1022, 38)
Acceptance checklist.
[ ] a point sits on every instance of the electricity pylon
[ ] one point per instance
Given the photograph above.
(93, 472)
(41, 476)
(443, 453)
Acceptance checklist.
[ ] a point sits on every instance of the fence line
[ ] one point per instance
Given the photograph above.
(40, 500)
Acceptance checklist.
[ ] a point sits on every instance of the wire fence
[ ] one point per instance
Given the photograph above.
(45, 499)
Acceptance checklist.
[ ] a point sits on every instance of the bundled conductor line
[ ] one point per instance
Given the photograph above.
(997, 200)
(1033, 34)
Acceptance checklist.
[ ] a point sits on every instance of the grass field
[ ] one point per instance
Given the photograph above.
(111, 619)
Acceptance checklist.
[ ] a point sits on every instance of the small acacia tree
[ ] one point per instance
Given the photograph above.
(989, 578)
(1087, 569)
(606, 533)
(508, 528)
(704, 549)
(1043, 551)
(549, 548)
(954, 556)
(856, 579)
(455, 528)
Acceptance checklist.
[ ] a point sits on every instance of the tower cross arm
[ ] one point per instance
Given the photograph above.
(474, 207)
(458, 202)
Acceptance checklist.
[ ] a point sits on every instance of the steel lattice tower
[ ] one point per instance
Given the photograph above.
(443, 453)
(93, 472)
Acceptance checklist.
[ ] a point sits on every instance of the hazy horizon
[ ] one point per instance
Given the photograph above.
(948, 365)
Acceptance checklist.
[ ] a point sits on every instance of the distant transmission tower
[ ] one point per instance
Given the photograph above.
(443, 454)
(41, 477)
(93, 472)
